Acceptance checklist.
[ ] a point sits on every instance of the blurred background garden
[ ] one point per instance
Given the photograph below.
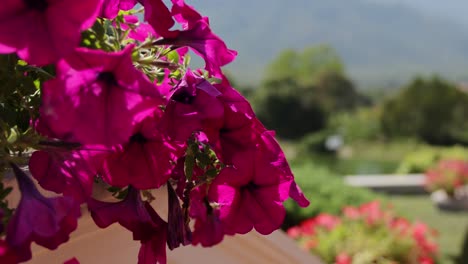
(359, 87)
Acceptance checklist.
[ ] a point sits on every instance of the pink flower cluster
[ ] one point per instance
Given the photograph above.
(447, 175)
(105, 120)
(372, 217)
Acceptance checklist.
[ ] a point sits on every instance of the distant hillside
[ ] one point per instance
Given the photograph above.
(454, 10)
(379, 41)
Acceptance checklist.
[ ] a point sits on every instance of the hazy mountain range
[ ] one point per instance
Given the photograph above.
(380, 41)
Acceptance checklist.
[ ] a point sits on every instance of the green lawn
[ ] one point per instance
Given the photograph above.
(452, 227)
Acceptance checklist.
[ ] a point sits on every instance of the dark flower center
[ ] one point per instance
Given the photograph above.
(39, 5)
(251, 186)
(108, 78)
(183, 96)
(138, 138)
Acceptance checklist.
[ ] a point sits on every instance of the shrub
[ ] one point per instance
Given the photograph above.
(326, 191)
(447, 175)
(420, 160)
(366, 234)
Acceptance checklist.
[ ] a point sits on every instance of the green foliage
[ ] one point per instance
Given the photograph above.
(305, 67)
(289, 109)
(360, 124)
(301, 89)
(313, 143)
(366, 245)
(326, 191)
(418, 161)
(19, 102)
(432, 110)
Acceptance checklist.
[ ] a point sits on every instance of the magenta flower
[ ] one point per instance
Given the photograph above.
(194, 106)
(251, 192)
(205, 44)
(185, 14)
(110, 8)
(208, 228)
(138, 30)
(43, 31)
(54, 219)
(72, 261)
(68, 172)
(131, 213)
(7, 255)
(159, 17)
(146, 161)
(98, 98)
(153, 250)
(178, 230)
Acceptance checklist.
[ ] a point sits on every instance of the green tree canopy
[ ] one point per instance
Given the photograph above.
(433, 110)
(301, 89)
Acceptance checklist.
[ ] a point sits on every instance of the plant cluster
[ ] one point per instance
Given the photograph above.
(366, 234)
(447, 175)
(328, 191)
(93, 94)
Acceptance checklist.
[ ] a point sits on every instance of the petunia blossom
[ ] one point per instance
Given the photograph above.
(70, 172)
(43, 31)
(194, 106)
(7, 255)
(110, 8)
(153, 250)
(178, 230)
(138, 30)
(253, 189)
(159, 17)
(204, 43)
(185, 14)
(97, 98)
(131, 213)
(146, 160)
(209, 229)
(54, 219)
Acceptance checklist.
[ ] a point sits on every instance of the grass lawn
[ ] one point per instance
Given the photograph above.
(452, 227)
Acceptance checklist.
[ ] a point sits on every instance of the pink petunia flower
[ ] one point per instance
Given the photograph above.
(72, 261)
(153, 250)
(145, 161)
(54, 219)
(209, 230)
(98, 98)
(110, 8)
(7, 255)
(131, 213)
(204, 43)
(178, 231)
(251, 191)
(70, 172)
(194, 106)
(138, 30)
(185, 14)
(159, 17)
(43, 31)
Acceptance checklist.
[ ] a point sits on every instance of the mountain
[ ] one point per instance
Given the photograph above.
(454, 10)
(379, 40)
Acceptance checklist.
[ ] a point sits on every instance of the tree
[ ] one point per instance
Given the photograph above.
(433, 110)
(301, 89)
